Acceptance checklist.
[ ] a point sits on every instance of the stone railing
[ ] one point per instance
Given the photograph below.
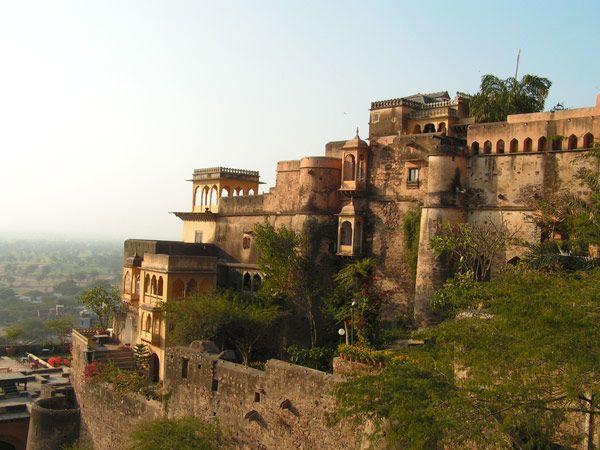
(437, 112)
(224, 172)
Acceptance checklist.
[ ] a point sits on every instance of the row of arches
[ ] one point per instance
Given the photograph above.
(430, 128)
(555, 143)
(182, 289)
(351, 170)
(251, 283)
(149, 324)
(154, 285)
(127, 283)
(206, 196)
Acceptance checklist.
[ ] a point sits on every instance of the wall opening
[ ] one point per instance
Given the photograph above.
(185, 362)
(542, 144)
(417, 129)
(346, 233)
(500, 147)
(514, 146)
(557, 144)
(572, 142)
(487, 147)
(247, 282)
(475, 148)
(349, 165)
(588, 140)
(527, 143)
(429, 128)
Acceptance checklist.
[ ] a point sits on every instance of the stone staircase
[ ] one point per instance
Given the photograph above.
(122, 358)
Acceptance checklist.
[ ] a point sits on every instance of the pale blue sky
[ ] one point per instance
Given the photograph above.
(106, 107)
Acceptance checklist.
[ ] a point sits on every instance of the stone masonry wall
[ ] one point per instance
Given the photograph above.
(284, 406)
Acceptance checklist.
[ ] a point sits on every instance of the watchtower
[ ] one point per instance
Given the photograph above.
(211, 184)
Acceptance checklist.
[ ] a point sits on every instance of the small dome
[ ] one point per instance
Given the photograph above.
(348, 210)
(356, 142)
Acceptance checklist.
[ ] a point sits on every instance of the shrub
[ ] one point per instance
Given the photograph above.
(176, 434)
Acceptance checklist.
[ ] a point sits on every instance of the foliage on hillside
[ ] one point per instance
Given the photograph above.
(516, 356)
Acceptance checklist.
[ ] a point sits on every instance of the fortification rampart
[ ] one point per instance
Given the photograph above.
(283, 406)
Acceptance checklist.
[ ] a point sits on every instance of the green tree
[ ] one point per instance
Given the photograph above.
(289, 273)
(176, 434)
(471, 248)
(516, 358)
(104, 303)
(359, 300)
(570, 224)
(59, 327)
(229, 318)
(498, 98)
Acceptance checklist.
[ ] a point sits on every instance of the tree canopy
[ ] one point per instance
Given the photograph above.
(229, 318)
(104, 303)
(498, 98)
(516, 358)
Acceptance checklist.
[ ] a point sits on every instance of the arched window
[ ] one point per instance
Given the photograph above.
(441, 127)
(137, 284)
(487, 147)
(514, 146)
(205, 196)
(417, 129)
(198, 196)
(542, 144)
(361, 167)
(225, 192)
(159, 287)
(247, 282)
(178, 289)
(240, 191)
(557, 143)
(429, 128)
(256, 280)
(213, 196)
(147, 283)
(588, 140)
(475, 148)
(346, 233)
(349, 165)
(500, 146)
(527, 144)
(153, 285)
(250, 191)
(148, 323)
(246, 242)
(572, 142)
(127, 283)
(191, 287)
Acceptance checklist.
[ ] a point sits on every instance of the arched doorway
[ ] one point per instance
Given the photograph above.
(154, 368)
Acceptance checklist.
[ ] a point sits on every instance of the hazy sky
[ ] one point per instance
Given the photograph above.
(106, 107)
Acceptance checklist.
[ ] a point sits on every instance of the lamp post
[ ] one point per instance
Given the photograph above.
(342, 332)
(352, 306)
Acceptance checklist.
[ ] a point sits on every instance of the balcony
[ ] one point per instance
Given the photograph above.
(149, 337)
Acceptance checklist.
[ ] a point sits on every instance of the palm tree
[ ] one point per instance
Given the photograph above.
(498, 98)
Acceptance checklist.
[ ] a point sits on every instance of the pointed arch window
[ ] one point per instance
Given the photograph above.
(346, 233)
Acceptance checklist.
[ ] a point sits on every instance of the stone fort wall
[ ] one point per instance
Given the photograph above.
(283, 406)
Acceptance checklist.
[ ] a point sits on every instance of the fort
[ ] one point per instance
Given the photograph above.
(424, 152)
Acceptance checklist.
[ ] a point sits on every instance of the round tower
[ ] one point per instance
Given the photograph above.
(54, 423)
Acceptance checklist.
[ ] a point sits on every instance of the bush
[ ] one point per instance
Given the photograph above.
(176, 434)
(123, 380)
(319, 358)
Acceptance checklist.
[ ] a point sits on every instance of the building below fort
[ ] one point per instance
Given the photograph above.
(424, 152)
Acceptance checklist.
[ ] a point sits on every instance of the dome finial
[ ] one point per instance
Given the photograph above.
(356, 131)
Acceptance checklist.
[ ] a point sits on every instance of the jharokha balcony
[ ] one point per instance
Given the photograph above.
(150, 337)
